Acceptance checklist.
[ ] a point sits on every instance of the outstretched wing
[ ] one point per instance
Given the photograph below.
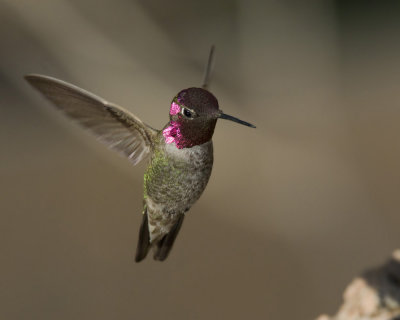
(117, 128)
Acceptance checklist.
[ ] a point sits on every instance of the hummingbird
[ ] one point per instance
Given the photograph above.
(180, 156)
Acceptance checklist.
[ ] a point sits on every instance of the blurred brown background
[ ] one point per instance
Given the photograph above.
(294, 209)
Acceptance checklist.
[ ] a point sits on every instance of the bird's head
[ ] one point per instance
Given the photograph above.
(193, 116)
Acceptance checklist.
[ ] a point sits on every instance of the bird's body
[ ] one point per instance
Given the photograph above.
(173, 182)
(179, 169)
(180, 156)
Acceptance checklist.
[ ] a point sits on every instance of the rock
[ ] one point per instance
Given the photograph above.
(375, 295)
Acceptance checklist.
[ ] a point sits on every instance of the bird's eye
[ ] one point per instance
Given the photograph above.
(187, 113)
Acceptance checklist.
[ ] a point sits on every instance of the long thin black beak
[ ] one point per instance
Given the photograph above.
(228, 117)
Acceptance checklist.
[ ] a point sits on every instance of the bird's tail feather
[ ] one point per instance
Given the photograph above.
(144, 239)
(164, 246)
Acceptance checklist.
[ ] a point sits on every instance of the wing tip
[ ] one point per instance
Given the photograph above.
(30, 78)
(34, 76)
(35, 80)
(39, 81)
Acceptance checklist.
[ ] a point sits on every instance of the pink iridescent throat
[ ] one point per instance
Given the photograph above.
(175, 109)
(172, 134)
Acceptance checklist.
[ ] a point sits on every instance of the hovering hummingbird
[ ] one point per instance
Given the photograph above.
(181, 154)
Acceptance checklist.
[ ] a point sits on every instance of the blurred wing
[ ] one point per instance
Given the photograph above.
(117, 128)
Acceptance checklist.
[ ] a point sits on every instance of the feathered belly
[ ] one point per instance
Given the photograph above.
(173, 183)
(175, 179)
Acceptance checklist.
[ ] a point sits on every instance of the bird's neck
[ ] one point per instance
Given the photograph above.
(185, 136)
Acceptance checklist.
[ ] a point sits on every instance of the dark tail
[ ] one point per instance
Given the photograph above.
(164, 246)
(144, 239)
